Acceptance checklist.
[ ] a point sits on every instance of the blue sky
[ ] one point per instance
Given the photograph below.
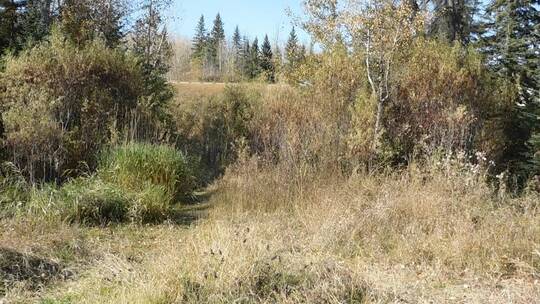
(255, 18)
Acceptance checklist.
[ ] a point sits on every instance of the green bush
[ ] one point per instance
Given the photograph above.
(151, 204)
(87, 201)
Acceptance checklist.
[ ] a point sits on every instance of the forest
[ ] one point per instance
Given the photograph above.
(392, 158)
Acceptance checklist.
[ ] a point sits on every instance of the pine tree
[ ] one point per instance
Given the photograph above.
(278, 61)
(36, 21)
(292, 48)
(80, 24)
(237, 40)
(216, 43)
(9, 19)
(267, 62)
(511, 38)
(454, 19)
(254, 59)
(246, 58)
(237, 49)
(152, 46)
(200, 40)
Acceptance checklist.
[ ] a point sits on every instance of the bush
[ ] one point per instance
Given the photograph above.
(151, 204)
(212, 126)
(88, 201)
(91, 201)
(61, 104)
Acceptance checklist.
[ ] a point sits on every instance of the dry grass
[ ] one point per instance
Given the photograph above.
(192, 90)
(294, 233)
(196, 90)
(411, 237)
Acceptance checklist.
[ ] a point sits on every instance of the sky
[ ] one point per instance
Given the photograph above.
(255, 18)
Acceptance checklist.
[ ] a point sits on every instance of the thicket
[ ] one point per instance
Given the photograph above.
(69, 99)
(62, 104)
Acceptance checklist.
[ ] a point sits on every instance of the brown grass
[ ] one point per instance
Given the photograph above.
(412, 237)
(282, 230)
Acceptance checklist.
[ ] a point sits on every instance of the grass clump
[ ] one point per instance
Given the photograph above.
(133, 165)
(88, 201)
(135, 182)
(13, 189)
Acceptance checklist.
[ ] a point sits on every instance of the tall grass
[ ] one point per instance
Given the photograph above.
(134, 182)
(424, 235)
(135, 166)
(13, 189)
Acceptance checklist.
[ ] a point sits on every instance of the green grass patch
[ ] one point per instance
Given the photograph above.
(136, 182)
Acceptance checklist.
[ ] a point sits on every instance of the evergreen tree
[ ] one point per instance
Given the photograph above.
(512, 36)
(9, 19)
(237, 40)
(267, 62)
(217, 42)
(200, 41)
(278, 61)
(454, 19)
(246, 58)
(152, 46)
(80, 23)
(254, 59)
(292, 48)
(237, 49)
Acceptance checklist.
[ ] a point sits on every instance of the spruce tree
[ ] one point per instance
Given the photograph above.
(216, 42)
(267, 62)
(511, 38)
(254, 59)
(454, 20)
(237, 49)
(292, 48)
(152, 47)
(237, 40)
(9, 19)
(80, 25)
(278, 61)
(246, 58)
(200, 40)
(36, 21)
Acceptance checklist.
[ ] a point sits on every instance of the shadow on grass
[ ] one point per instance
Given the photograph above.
(32, 271)
(189, 212)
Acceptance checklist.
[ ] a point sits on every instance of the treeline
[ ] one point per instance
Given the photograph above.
(214, 57)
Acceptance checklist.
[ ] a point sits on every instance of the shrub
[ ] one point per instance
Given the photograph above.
(212, 126)
(135, 182)
(94, 202)
(61, 104)
(151, 204)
